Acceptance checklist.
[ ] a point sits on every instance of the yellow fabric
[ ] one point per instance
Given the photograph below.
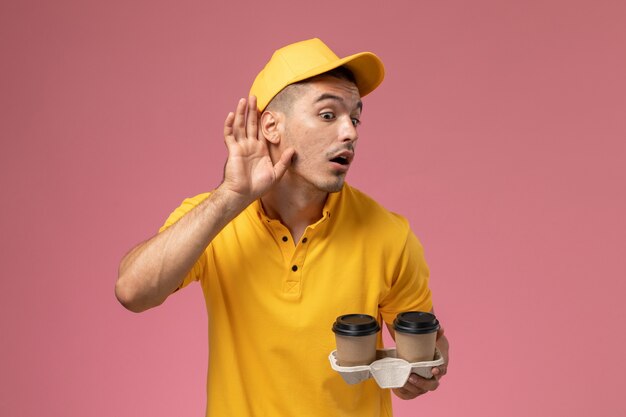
(270, 326)
(306, 59)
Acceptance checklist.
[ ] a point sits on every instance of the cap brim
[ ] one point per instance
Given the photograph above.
(367, 68)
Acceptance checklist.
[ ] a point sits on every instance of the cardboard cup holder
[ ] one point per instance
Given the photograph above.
(388, 370)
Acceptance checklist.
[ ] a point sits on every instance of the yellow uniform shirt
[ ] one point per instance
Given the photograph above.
(271, 303)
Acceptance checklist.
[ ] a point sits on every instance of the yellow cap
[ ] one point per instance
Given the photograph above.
(306, 59)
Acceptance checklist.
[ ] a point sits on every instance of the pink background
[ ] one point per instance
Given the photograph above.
(500, 132)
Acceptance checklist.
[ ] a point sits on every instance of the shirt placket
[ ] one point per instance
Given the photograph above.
(292, 282)
(294, 255)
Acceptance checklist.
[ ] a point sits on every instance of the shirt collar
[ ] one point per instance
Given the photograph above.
(331, 205)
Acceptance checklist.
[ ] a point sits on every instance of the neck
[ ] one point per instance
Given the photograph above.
(295, 207)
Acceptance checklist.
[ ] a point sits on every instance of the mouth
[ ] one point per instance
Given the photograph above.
(343, 158)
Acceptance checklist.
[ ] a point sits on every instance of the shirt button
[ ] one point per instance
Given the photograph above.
(285, 238)
(294, 268)
(304, 240)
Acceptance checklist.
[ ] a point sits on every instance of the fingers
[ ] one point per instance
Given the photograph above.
(444, 347)
(239, 124)
(244, 122)
(252, 119)
(439, 371)
(284, 162)
(406, 393)
(416, 386)
(228, 128)
(422, 384)
(440, 332)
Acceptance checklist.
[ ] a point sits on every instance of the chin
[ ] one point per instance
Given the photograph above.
(333, 187)
(331, 183)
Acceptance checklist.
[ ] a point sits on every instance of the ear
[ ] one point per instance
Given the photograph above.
(271, 123)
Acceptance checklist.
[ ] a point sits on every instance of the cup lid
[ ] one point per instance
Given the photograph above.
(356, 325)
(416, 322)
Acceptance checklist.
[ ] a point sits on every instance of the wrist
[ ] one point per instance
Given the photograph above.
(229, 200)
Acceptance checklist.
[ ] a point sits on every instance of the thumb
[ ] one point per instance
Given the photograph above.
(440, 332)
(285, 162)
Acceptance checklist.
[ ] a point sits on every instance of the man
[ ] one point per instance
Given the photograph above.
(283, 246)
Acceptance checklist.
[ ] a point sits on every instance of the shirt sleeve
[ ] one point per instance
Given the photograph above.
(186, 206)
(409, 288)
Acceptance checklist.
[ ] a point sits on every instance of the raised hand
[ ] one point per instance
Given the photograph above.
(249, 170)
(154, 269)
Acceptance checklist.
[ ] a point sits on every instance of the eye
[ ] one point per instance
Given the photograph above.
(355, 121)
(327, 115)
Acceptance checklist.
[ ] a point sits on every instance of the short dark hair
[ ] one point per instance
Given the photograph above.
(283, 100)
(343, 73)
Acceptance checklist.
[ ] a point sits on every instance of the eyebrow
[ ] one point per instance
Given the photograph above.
(328, 96)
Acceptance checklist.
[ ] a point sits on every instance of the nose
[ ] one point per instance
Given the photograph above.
(348, 132)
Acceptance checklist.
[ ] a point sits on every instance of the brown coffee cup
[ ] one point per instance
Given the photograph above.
(416, 336)
(355, 335)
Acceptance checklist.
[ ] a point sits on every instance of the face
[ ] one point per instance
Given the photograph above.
(321, 126)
